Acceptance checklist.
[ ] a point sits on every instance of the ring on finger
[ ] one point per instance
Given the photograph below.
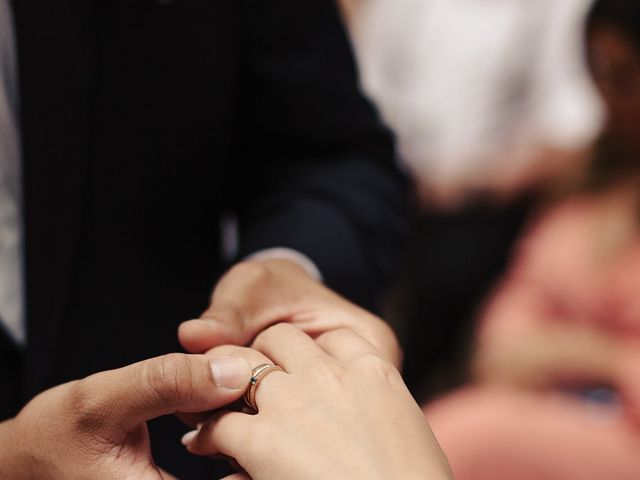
(257, 375)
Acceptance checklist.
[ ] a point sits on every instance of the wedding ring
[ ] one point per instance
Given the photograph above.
(257, 375)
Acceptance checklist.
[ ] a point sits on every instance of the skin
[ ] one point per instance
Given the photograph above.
(340, 412)
(545, 324)
(519, 347)
(254, 295)
(75, 431)
(95, 428)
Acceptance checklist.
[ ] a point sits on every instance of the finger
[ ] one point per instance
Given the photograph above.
(248, 298)
(192, 419)
(345, 345)
(245, 289)
(224, 325)
(227, 434)
(167, 476)
(198, 336)
(251, 355)
(255, 359)
(237, 476)
(374, 329)
(289, 347)
(126, 397)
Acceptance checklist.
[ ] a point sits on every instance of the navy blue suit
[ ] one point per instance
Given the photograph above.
(143, 122)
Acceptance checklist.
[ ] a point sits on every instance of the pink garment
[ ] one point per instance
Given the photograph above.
(569, 271)
(493, 434)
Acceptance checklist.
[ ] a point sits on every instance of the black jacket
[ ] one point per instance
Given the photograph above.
(143, 122)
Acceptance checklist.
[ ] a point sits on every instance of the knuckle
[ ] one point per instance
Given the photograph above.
(375, 367)
(336, 335)
(244, 278)
(384, 339)
(274, 333)
(228, 313)
(328, 374)
(170, 378)
(279, 329)
(86, 407)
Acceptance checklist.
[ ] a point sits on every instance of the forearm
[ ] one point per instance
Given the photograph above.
(554, 355)
(320, 164)
(521, 343)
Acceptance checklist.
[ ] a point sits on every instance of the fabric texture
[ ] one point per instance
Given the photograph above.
(563, 399)
(477, 91)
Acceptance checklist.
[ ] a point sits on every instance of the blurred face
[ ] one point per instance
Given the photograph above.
(615, 63)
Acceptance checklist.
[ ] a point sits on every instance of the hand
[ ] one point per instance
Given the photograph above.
(95, 428)
(341, 412)
(256, 294)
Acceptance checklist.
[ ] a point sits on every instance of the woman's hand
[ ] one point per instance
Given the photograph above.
(340, 412)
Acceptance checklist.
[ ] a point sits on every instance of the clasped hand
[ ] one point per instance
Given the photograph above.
(341, 411)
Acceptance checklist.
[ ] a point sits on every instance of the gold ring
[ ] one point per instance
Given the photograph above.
(257, 375)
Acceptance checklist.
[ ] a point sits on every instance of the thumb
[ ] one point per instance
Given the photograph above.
(247, 299)
(122, 399)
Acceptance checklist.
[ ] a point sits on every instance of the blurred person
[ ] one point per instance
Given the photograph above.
(129, 132)
(486, 97)
(482, 95)
(557, 357)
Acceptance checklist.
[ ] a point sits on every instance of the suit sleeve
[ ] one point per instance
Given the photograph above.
(316, 163)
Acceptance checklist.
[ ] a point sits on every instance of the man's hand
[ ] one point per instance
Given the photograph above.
(256, 294)
(95, 428)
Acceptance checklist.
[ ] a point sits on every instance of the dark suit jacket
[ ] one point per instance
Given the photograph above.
(143, 121)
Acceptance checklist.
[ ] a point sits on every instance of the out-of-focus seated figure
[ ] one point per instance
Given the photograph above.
(488, 99)
(557, 359)
(484, 96)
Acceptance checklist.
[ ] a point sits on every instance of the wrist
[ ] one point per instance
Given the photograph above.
(280, 266)
(291, 255)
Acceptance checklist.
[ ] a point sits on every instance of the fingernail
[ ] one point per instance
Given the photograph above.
(188, 437)
(230, 373)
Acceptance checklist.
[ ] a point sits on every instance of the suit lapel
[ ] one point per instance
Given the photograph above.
(56, 63)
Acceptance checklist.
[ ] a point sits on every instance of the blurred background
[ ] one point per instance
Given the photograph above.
(518, 302)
